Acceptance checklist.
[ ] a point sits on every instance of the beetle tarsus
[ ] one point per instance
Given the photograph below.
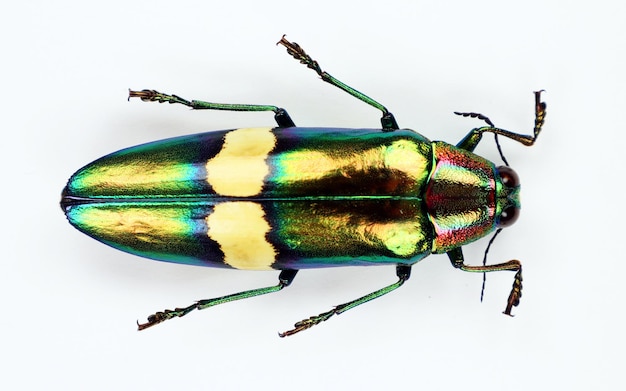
(516, 293)
(296, 51)
(308, 323)
(540, 113)
(156, 96)
(144, 95)
(162, 316)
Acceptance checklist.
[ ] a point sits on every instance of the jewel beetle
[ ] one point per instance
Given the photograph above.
(290, 198)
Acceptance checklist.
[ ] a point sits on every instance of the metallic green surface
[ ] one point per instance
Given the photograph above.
(325, 197)
(159, 230)
(331, 197)
(359, 163)
(168, 168)
(352, 232)
(291, 198)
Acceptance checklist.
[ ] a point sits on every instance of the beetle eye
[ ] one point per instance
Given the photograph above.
(508, 176)
(508, 216)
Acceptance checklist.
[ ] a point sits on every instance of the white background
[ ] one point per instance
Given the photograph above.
(69, 303)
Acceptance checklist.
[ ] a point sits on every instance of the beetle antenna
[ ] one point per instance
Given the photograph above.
(488, 122)
(482, 290)
(506, 163)
(476, 115)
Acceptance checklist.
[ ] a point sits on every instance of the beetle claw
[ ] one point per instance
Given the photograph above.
(155, 319)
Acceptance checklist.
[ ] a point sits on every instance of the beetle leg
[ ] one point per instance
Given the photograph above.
(387, 120)
(402, 271)
(456, 257)
(472, 139)
(284, 279)
(280, 115)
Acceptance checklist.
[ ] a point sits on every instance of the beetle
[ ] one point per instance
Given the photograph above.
(290, 198)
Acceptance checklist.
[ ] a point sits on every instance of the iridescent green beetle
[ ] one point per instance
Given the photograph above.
(290, 198)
